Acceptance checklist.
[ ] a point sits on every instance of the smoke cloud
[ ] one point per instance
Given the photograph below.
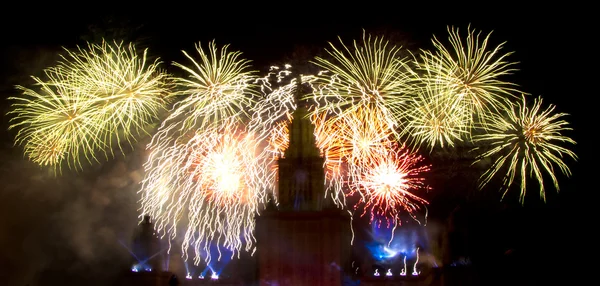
(69, 228)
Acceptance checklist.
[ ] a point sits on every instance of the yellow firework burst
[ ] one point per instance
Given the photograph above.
(524, 144)
(90, 100)
(371, 72)
(52, 125)
(470, 68)
(218, 86)
(435, 118)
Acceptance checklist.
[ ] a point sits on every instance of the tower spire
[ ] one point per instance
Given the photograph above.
(301, 173)
(302, 131)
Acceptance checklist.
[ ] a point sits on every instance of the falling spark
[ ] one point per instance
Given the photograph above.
(415, 272)
(215, 181)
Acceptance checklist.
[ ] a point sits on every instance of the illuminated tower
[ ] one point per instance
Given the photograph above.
(306, 239)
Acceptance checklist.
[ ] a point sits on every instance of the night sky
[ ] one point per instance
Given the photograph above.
(69, 229)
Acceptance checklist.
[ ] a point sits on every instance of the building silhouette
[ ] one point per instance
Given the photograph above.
(146, 248)
(147, 258)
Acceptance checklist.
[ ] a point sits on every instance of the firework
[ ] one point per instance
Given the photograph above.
(91, 99)
(344, 141)
(52, 125)
(350, 141)
(524, 143)
(360, 97)
(214, 181)
(272, 115)
(472, 70)
(218, 86)
(332, 148)
(362, 158)
(279, 140)
(216, 174)
(387, 185)
(435, 118)
(275, 107)
(362, 134)
(372, 73)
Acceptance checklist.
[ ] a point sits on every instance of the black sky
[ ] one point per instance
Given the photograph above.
(46, 223)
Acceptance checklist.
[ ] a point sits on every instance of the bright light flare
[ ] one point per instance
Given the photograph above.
(388, 184)
(215, 180)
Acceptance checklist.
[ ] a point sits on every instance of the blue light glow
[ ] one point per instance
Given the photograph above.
(404, 243)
